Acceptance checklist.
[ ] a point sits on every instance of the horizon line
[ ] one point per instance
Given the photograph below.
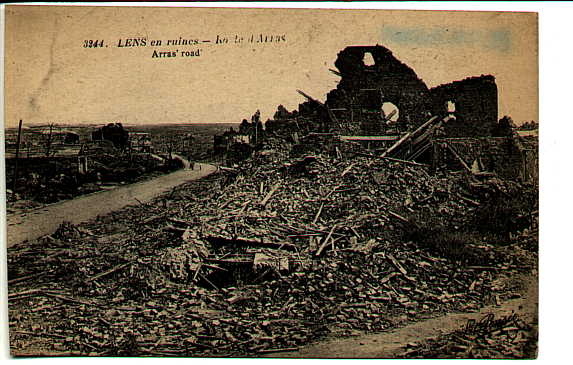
(123, 123)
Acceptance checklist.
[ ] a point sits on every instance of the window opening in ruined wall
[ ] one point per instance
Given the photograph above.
(368, 60)
(450, 106)
(391, 112)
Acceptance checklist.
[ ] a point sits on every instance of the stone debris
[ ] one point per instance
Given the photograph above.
(507, 337)
(266, 257)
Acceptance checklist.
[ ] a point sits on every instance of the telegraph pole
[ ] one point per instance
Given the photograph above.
(49, 143)
(17, 156)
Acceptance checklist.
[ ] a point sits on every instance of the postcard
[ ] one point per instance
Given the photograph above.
(283, 183)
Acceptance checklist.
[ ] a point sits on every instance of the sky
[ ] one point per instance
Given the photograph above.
(51, 77)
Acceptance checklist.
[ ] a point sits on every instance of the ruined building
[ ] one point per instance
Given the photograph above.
(475, 100)
(112, 132)
(380, 101)
(372, 76)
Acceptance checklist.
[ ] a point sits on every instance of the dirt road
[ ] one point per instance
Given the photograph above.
(389, 344)
(39, 222)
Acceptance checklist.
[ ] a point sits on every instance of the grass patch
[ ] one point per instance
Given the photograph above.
(453, 245)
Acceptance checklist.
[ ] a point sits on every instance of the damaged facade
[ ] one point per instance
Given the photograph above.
(475, 101)
(363, 88)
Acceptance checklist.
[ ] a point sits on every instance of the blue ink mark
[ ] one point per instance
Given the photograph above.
(498, 39)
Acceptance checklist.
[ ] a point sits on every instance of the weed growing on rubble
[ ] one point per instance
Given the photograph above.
(446, 243)
(504, 214)
(139, 283)
(124, 346)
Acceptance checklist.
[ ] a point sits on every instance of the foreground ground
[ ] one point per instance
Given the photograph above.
(418, 339)
(284, 253)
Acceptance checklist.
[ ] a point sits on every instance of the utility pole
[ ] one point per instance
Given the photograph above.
(49, 144)
(17, 156)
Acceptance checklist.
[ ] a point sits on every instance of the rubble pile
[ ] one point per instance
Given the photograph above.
(259, 259)
(508, 337)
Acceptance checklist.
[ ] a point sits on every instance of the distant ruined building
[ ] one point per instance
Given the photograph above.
(114, 133)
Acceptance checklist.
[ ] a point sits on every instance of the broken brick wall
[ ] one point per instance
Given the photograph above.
(529, 146)
(501, 155)
(504, 157)
(361, 84)
(475, 101)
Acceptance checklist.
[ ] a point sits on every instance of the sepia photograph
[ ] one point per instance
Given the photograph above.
(271, 182)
